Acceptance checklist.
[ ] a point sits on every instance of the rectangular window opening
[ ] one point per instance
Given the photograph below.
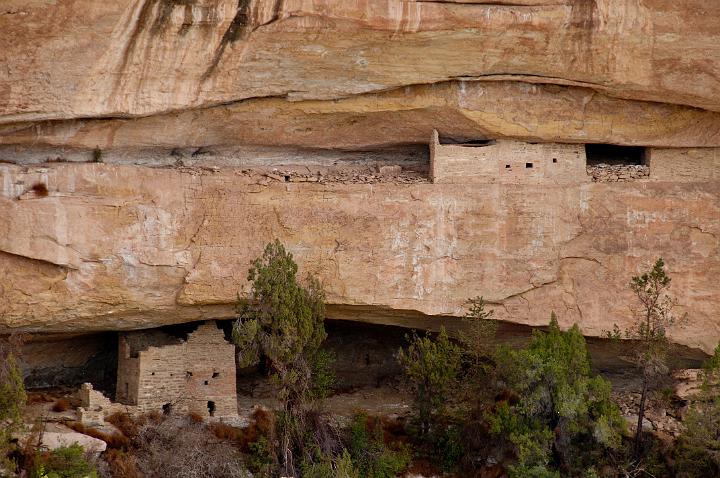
(528, 165)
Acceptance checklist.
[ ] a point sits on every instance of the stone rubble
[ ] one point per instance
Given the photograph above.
(382, 174)
(661, 418)
(342, 175)
(606, 173)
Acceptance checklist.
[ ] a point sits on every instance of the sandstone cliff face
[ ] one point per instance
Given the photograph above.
(346, 74)
(112, 248)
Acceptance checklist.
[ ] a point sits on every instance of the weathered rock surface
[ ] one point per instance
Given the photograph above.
(466, 110)
(56, 435)
(107, 247)
(353, 74)
(122, 247)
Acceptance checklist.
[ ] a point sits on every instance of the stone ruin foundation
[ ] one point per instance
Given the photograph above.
(607, 173)
(158, 371)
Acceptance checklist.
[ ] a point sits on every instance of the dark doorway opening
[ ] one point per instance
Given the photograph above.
(211, 408)
(167, 409)
(614, 155)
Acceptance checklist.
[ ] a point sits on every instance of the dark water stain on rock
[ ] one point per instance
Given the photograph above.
(154, 17)
(583, 21)
(239, 29)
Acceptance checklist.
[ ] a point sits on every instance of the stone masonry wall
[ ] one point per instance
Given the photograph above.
(128, 375)
(605, 173)
(507, 162)
(161, 378)
(684, 164)
(196, 375)
(94, 406)
(211, 360)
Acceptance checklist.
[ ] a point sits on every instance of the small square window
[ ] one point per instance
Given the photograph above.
(507, 166)
(528, 165)
(554, 160)
(206, 382)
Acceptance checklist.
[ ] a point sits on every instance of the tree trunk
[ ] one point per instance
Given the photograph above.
(641, 416)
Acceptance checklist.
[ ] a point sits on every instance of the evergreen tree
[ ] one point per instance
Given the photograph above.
(281, 322)
(478, 338)
(649, 335)
(698, 448)
(431, 366)
(558, 416)
(12, 397)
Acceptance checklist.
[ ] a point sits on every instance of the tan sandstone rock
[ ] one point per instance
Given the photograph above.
(370, 73)
(105, 246)
(122, 247)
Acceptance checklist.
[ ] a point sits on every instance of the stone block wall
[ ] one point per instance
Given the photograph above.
(684, 164)
(161, 378)
(92, 399)
(94, 406)
(196, 375)
(605, 173)
(128, 375)
(211, 361)
(507, 162)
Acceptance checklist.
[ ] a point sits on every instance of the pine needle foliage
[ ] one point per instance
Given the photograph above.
(648, 333)
(561, 418)
(698, 447)
(478, 336)
(282, 322)
(431, 367)
(12, 397)
(281, 319)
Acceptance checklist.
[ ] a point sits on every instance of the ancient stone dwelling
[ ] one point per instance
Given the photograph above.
(159, 371)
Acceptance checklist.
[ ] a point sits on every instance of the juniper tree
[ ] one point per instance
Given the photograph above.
(649, 334)
(558, 414)
(12, 395)
(478, 336)
(698, 447)
(431, 367)
(281, 321)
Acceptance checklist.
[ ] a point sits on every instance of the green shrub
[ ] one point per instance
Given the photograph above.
(323, 377)
(326, 467)
(64, 462)
(12, 398)
(697, 450)
(560, 417)
(261, 458)
(449, 446)
(431, 367)
(370, 456)
(344, 467)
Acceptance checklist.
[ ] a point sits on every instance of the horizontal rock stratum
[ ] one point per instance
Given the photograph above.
(209, 88)
(348, 74)
(121, 247)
